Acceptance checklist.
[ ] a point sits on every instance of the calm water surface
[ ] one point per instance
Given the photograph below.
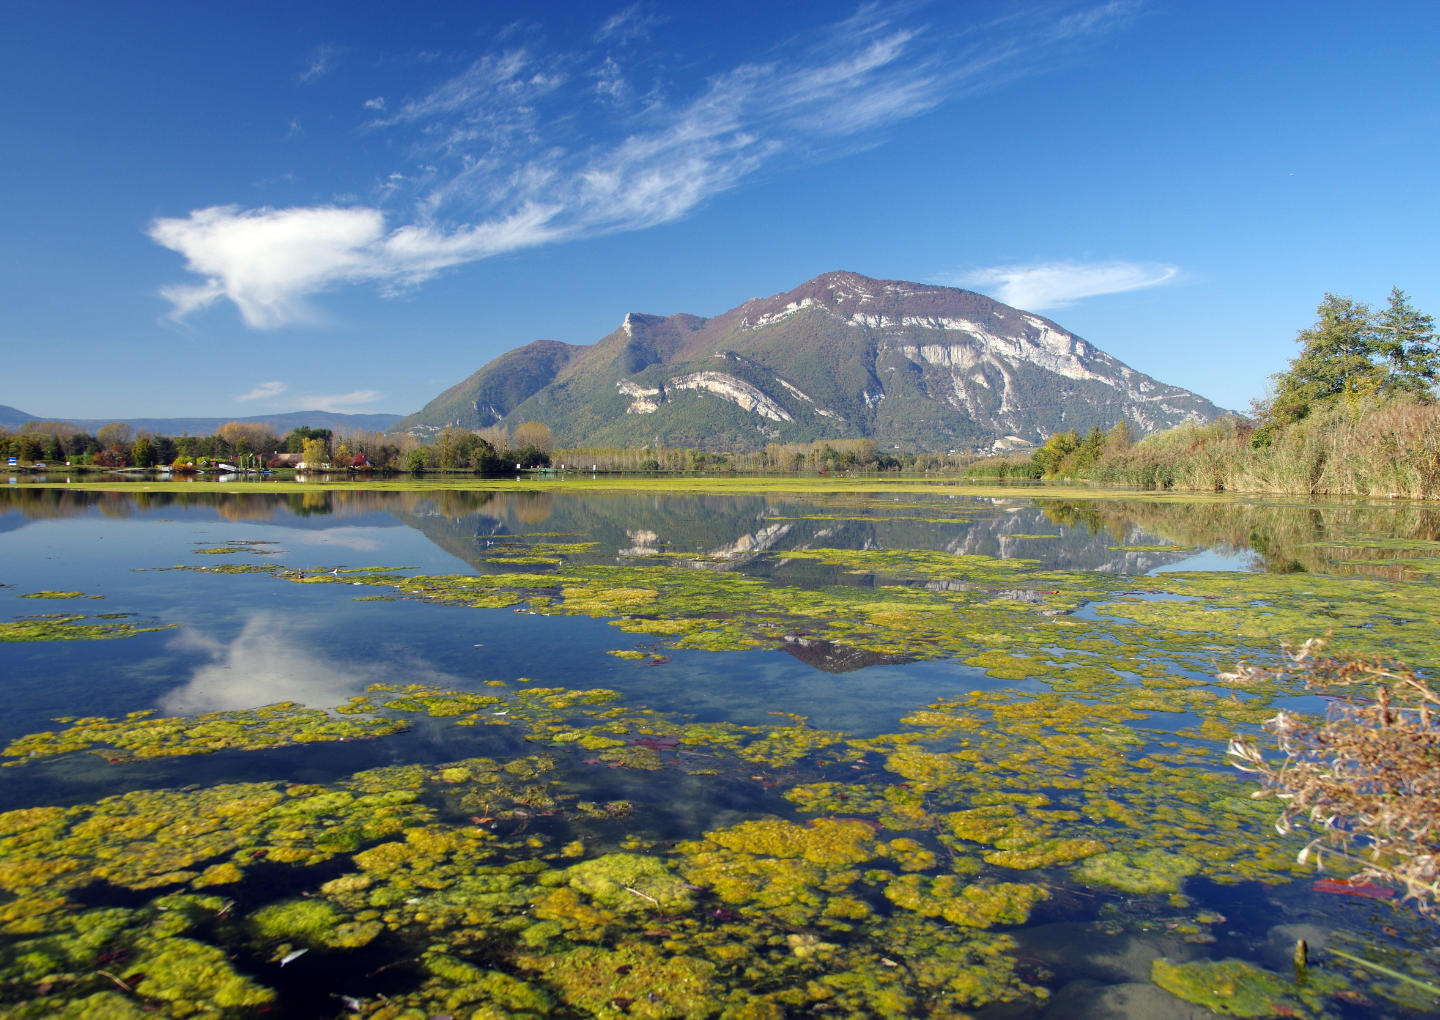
(240, 641)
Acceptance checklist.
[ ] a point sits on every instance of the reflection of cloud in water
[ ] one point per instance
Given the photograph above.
(274, 659)
(349, 538)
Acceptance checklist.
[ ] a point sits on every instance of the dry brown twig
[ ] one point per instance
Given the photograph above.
(1368, 775)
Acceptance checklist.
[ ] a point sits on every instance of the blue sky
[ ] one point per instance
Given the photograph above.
(223, 208)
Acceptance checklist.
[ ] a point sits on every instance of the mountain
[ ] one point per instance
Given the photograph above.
(839, 357)
(13, 419)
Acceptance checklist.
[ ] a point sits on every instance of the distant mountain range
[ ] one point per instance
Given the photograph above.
(13, 418)
(841, 356)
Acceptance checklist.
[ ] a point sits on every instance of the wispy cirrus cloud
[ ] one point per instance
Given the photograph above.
(506, 164)
(338, 401)
(1056, 284)
(322, 60)
(634, 22)
(263, 390)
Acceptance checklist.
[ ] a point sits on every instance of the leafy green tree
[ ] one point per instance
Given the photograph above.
(1409, 345)
(416, 463)
(1353, 352)
(481, 456)
(1056, 449)
(53, 452)
(1336, 355)
(1088, 452)
(142, 453)
(295, 441)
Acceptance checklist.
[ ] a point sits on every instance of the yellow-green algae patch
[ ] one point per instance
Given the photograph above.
(761, 918)
(58, 595)
(138, 736)
(70, 963)
(1236, 988)
(62, 627)
(1148, 873)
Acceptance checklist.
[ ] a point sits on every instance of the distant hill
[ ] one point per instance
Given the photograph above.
(841, 356)
(12, 418)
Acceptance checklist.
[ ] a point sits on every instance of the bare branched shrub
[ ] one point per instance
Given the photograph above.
(1368, 775)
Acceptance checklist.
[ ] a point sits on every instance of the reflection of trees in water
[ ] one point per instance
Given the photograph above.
(51, 504)
(1280, 535)
(533, 507)
(739, 528)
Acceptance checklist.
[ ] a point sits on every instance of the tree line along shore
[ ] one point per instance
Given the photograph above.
(1354, 414)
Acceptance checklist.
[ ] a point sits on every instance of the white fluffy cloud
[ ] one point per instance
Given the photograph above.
(506, 163)
(267, 261)
(1057, 284)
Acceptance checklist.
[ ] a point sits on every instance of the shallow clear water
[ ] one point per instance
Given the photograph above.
(238, 641)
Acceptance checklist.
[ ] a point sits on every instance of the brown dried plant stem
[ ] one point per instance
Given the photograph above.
(1367, 775)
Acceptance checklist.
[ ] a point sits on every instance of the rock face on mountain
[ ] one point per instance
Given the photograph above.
(840, 357)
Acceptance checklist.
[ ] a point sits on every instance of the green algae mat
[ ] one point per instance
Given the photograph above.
(712, 751)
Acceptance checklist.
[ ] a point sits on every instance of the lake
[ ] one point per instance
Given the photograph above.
(607, 750)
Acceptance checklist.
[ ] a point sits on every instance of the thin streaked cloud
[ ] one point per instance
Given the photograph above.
(501, 163)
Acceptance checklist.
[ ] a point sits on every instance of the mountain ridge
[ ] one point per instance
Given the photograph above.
(840, 356)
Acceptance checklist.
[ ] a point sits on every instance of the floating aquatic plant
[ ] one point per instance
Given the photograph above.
(139, 736)
(68, 628)
(1236, 988)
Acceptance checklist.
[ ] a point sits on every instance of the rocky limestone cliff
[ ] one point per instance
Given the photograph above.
(840, 356)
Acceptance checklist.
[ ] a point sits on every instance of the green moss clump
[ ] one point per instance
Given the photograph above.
(630, 882)
(1046, 854)
(192, 977)
(310, 922)
(975, 906)
(829, 842)
(1148, 873)
(66, 628)
(636, 979)
(66, 965)
(1235, 988)
(138, 736)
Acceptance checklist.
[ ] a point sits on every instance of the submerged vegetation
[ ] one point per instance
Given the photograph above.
(499, 889)
(587, 856)
(138, 736)
(67, 627)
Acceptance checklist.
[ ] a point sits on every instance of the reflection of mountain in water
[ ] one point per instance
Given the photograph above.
(725, 532)
(721, 532)
(833, 658)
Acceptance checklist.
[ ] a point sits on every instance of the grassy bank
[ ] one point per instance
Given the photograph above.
(583, 482)
(1353, 448)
